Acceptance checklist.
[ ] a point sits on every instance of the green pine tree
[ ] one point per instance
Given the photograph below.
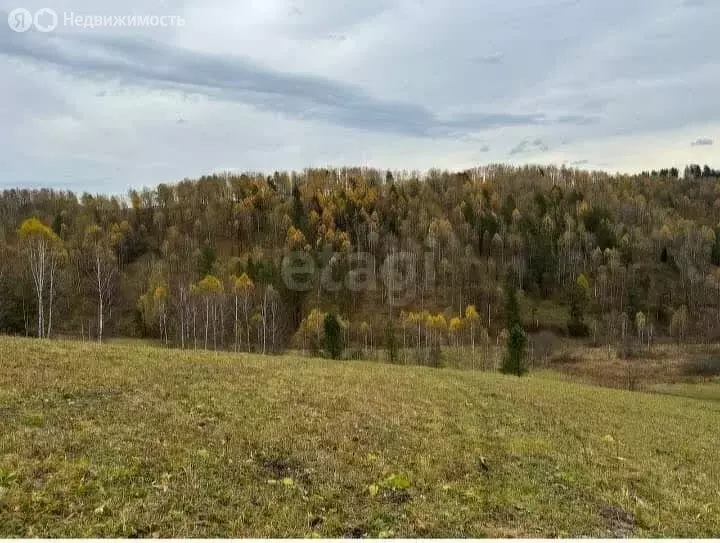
(515, 362)
(391, 343)
(578, 302)
(333, 337)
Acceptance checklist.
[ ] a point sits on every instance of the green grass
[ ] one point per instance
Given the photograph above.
(126, 440)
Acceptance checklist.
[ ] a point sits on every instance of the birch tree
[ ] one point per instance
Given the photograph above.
(102, 269)
(45, 252)
(472, 317)
(210, 289)
(243, 287)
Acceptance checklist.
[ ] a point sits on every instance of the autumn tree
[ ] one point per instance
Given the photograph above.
(472, 318)
(268, 314)
(245, 288)
(365, 332)
(640, 324)
(454, 327)
(45, 252)
(154, 307)
(102, 269)
(679, 323)
(210, 289)
(310, 332)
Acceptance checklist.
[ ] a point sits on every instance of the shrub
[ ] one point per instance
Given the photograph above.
(578, 329)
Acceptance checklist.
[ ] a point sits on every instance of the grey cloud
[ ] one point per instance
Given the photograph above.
(521, 147)
(527, 146)
(144, 62)
(702, 142)
(492, 120)
(540, 144)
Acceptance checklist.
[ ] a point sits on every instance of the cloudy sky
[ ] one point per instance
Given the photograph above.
(411, 84)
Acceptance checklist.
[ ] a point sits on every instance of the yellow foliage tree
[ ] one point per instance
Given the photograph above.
(210, 289)
(243, 288)
(311, 327)
(45, 252)
(472, 317)
(455, 326)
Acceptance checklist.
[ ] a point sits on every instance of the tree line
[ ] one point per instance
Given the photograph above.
(203, 264)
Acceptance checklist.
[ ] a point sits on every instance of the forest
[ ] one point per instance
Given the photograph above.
(418, 261)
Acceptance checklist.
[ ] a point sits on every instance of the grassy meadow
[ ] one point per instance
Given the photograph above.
(131, 440)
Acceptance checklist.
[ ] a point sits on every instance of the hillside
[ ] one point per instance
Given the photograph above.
(253, 263)
(127, 440)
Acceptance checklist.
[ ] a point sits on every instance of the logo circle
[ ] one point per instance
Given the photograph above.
(46, 20)
(20, 20)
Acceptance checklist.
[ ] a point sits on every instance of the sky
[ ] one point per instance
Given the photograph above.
(265, 85)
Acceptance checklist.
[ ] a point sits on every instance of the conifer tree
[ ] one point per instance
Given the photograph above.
(333, 336)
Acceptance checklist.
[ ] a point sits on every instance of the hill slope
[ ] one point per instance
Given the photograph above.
(127, 440)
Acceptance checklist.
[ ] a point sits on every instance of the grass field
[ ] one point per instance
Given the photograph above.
(125, 440)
